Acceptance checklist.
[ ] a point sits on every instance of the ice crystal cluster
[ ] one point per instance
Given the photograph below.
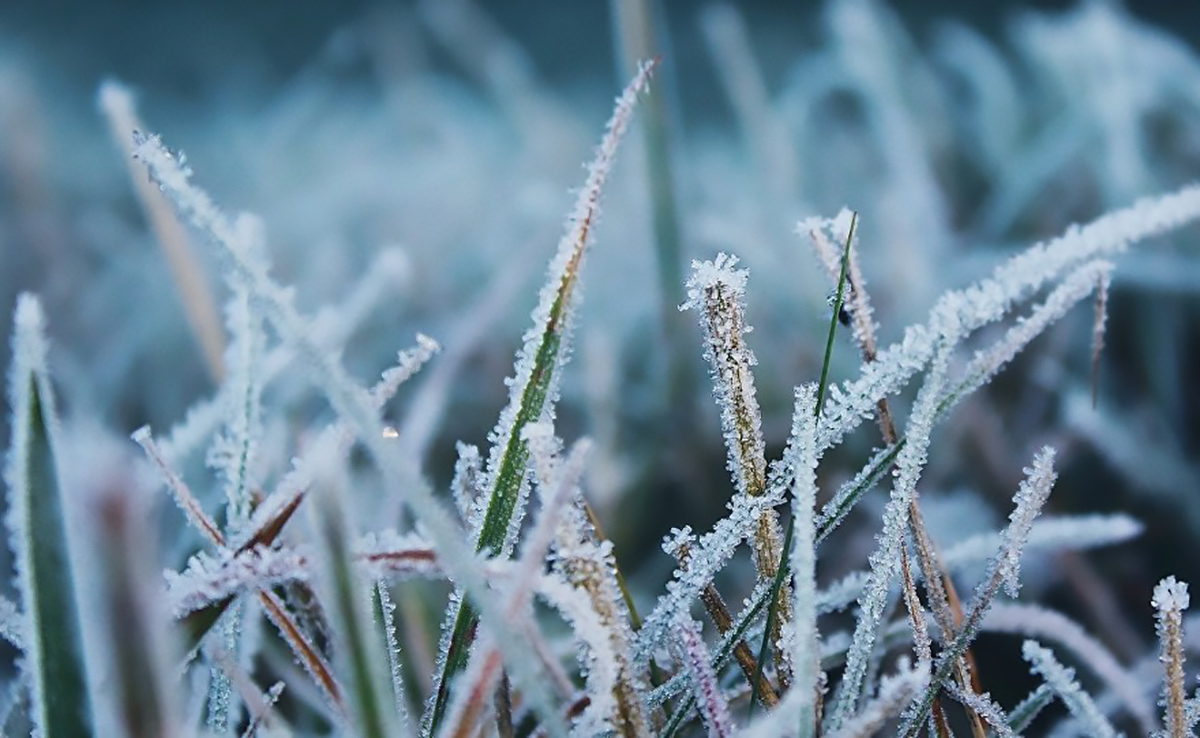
(890, 431)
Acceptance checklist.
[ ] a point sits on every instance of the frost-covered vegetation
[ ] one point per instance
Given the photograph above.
(935, 348)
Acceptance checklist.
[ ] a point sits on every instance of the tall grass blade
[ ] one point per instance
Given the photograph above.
(535, 385)
(37, 525)
(381, 600)
(781, 569)
(369, 682)
(838, 302)
(1004, 570)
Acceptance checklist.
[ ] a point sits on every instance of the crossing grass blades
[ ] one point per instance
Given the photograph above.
(292, 572)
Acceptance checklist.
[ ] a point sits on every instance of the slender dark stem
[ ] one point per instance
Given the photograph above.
(837, 311)
(782, 570)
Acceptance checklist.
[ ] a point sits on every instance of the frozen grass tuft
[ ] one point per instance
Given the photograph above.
(330, 518)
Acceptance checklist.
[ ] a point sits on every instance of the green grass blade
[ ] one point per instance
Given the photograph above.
(535, 385)
(839, 301)
(54, 659)
(369, 684)
(780, 573)
(506, 492)
(782, 569)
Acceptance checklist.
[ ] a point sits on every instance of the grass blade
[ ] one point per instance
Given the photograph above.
(535, 385)
(37, 527)
(117, 103)
(369, 682)
(782, 569)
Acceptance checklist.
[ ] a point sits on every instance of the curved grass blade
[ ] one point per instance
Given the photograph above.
(535, 386)
(54, 659)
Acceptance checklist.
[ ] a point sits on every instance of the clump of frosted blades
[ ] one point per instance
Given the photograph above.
(207, 579)
(597, 656)
(984, 365)
(330, 328)
(894, 693)
(270, 517)
(588, 565)
(558, 483)
(706, 557)
(353, 404)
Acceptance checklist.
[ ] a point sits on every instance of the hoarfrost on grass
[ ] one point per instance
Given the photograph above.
(1062, 680)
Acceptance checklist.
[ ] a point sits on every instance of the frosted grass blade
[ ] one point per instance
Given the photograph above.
(54, 661)
(1047, 625)
(1062, 680)
(1004, 570)
(1027, 709)
(370, 684)
(381, 602)
(1170, 600)
(534, 387)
